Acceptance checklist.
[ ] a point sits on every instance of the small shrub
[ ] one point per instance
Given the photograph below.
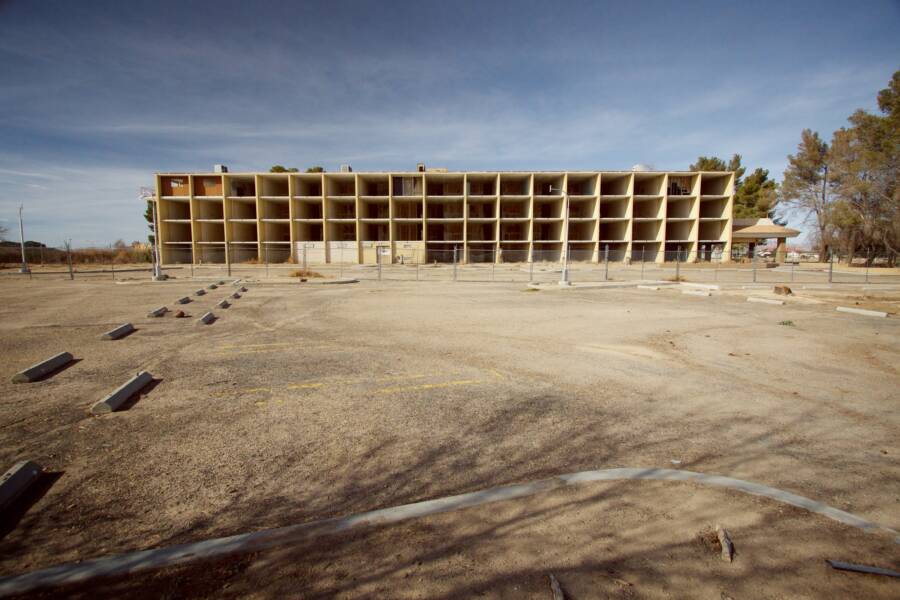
(786, 323)
(305, 273)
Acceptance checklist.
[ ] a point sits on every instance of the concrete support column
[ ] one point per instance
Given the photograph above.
(781, 250)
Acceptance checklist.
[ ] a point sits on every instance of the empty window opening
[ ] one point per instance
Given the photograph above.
(581, 209)
(514, 185)
(445, 232)
(439, 210)
(648, 185)
(277, 232)
(481, 232)
(243, 187)
(374, 187)
(713, 209)
(714, 185)
(646, 231)
(613, 209)
(514, 209)
(647, 209)
(244, 232)
(408, 232)
(211, 232)
(614, 185)
(407, 186)
(579, 185)
(482, 187)
(175, 186)
(342, 232)
(408, 210)
(513, 231)
(275, 210)
(679, 209)
(581, 231)
(308, 186)
(308, 210)
(309, 232)
(207, 186)
(615, 231)
(341, 186)
(445, 188)
(341, 210)
(242, 210)
(481, 210)
(174, 210)
(374, 232)
(547, 231)
(678, 230)
(680, 185)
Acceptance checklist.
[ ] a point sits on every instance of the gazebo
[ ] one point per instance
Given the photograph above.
(754, 231)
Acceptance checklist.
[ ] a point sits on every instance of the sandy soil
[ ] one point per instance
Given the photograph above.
(303, 402)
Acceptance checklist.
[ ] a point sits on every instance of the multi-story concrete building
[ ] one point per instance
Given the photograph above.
(438, 215)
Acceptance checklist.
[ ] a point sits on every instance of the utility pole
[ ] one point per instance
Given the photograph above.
(24, 268)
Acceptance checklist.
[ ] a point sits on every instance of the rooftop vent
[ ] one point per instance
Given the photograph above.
(220, 169)
(420, 167)
(346, 169)
(641, 167)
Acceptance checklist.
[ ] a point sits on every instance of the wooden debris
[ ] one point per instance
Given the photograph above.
(783, 290)
(555, 588)
(725, 542)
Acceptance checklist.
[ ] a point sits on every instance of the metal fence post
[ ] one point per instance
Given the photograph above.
(606, 262)
(868, 260)
(792, 272)
(677, 265)
(753, 263)
(531, 269)
(493, 263)
(830, 265)
(341, 263)
(69, 260)
(454, 263)
(266, 257)
(642, 262)
(378, 261)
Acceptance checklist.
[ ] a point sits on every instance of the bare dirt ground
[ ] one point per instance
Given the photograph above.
(308, 401)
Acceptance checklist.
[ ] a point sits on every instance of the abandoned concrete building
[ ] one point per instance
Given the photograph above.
(436, 215)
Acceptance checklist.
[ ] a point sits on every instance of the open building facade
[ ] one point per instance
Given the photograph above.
(435, 215)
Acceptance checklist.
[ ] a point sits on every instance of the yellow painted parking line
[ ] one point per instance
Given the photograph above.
(304, 386)
(428, 386)
(253, 390)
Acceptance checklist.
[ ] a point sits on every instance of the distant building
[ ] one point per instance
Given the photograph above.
(432, 214)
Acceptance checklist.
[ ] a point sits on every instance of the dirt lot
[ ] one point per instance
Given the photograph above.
(311, 401)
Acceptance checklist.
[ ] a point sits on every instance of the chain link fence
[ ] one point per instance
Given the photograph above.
(544, 263)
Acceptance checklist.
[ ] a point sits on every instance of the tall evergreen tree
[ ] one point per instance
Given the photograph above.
(804, 186)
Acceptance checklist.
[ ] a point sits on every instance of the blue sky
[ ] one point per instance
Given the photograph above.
(97, 96)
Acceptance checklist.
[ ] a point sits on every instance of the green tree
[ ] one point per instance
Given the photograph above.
(148, 216)
(283, 169)
(714, 163)
(756, 196)
(316, 169)
(865, 166)
(804, 186)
